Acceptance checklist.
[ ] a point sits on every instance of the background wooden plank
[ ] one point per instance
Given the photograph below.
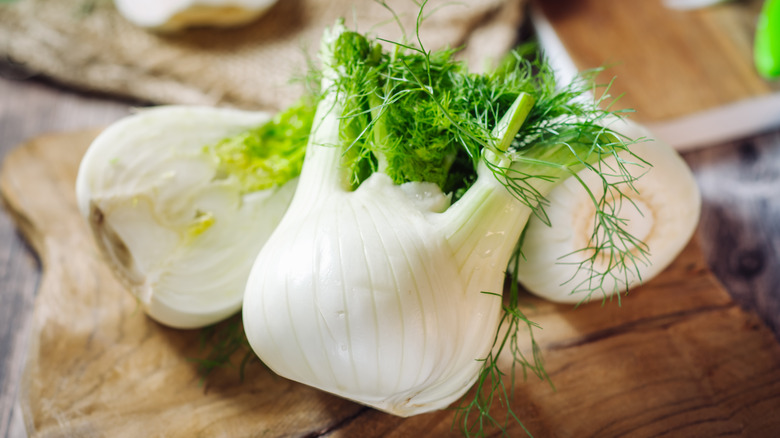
(666, 63)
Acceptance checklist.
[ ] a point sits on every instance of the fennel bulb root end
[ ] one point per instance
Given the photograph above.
(659, 210)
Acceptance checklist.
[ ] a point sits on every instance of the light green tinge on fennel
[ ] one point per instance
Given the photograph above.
(201, 223)
(269, 155)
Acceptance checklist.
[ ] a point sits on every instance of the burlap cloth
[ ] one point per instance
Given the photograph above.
(89, 45)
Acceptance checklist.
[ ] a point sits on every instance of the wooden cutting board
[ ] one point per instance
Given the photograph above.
(688, 74)
(666, 63)
(678, 358)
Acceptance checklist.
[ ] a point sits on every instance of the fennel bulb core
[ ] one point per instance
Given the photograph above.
(179, 234)
(638, 216)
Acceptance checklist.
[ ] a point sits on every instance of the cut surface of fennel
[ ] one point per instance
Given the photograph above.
(660, 210)
(177, 232)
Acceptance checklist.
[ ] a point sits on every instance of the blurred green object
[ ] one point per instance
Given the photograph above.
(767, 44)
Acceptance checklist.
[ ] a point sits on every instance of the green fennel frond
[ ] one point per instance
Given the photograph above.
(220, 344)
(476, 415)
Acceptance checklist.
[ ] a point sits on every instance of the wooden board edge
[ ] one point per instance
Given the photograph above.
(11, 190)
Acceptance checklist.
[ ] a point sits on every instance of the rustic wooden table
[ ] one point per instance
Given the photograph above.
(739, 230)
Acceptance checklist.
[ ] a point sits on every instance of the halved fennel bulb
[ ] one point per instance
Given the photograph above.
(173, 15)
(662, 213)
(179, 232)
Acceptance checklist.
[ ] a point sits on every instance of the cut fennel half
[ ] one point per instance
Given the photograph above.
(177, 225)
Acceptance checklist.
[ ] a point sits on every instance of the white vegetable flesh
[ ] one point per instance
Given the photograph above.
(174, 15)
(662, 213)
(180, 234)
(375, 296)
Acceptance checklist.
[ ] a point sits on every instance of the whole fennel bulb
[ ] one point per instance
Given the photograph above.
(373, 287)
(372, 296)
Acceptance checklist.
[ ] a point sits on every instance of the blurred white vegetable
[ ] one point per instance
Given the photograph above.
(173, 15)
(661, 215)
(178, 226)
(691, 4)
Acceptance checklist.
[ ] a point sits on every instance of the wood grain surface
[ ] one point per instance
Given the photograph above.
(679, 358)
(29, 107)
(740, 222)
(665, 63)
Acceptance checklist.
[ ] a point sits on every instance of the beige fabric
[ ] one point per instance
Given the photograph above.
(248, 67)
